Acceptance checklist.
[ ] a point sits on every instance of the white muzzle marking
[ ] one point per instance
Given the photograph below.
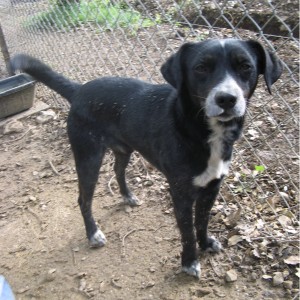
(229, 86)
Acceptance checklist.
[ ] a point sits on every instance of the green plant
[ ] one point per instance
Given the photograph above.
(260, 168)
(101, 12)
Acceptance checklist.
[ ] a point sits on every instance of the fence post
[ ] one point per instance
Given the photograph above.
(4, 51)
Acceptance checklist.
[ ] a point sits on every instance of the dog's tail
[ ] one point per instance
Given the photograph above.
(43, 73)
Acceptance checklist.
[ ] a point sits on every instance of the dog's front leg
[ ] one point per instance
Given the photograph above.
(203, 206)
(183, 208)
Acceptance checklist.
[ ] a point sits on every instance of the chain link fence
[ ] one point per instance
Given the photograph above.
(92, 38)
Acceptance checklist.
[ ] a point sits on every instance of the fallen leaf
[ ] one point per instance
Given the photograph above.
(284, 195)
(292, 260)
(274, 201)
(255, 253)
(278, 279)
(253, 133)
(284, 221)
(260, 224)
(234, 240)
(233, 218)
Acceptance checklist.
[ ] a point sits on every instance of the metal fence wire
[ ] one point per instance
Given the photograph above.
(92, 38)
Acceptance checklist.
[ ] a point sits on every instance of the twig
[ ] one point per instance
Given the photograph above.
(275, 239)
(20, 137)
(296, 297)
(159, 227)
(19, 249)
(141, 160)
(148, 176)
(36, 216)
(125, 236)
(73, 257)
(213, 267)
(113, 281)
(53, 168)
(109, 184)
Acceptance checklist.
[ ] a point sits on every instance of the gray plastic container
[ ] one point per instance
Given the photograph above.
(16, 94)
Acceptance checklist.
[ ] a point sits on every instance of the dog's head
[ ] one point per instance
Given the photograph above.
(220, 76)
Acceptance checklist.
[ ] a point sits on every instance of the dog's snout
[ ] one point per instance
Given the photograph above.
(225, 100)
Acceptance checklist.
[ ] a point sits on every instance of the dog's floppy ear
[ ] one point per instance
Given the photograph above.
(269, 65)
(172, 68)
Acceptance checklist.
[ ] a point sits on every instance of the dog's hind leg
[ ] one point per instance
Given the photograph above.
(88, 157)
(121, 162)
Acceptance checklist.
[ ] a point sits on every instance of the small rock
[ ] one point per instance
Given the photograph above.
(150, 284)
(268, 294)
(285, 274)
(81, 275)
(237, 260)
(148, 183)
(128, 209)
(103, 287)
(45, 174)
(278, 279)
(138, 179)
(46, 116)
(32, 198)
(158, 239)
(231, 276)
(200, 292)
(82, 284)
(219, 294)
(13, 127)
(152, 269)
(253, 276)
(288, 284)
(43, 207)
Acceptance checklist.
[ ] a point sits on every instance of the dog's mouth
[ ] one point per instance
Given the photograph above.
(225, 116)
(222, 115)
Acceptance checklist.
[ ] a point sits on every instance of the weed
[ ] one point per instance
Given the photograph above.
(102, 12)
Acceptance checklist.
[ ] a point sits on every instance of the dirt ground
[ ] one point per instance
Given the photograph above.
(44, 252)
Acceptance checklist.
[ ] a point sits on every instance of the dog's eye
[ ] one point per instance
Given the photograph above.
(202, 69)
(244, 67)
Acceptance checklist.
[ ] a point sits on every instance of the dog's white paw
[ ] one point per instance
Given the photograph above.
(215, 247)
(132, 200)
(194, 269)
(97, 240)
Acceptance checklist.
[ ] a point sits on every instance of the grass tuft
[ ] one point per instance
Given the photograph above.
(102, 12)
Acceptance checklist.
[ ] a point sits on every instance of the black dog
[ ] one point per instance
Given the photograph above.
(186, 128)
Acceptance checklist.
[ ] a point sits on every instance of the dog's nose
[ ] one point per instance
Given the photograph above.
(225, 100)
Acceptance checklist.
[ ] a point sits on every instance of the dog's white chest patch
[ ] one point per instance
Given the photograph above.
(216, 166)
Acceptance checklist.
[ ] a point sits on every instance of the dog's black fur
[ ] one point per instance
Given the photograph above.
(186, 128)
